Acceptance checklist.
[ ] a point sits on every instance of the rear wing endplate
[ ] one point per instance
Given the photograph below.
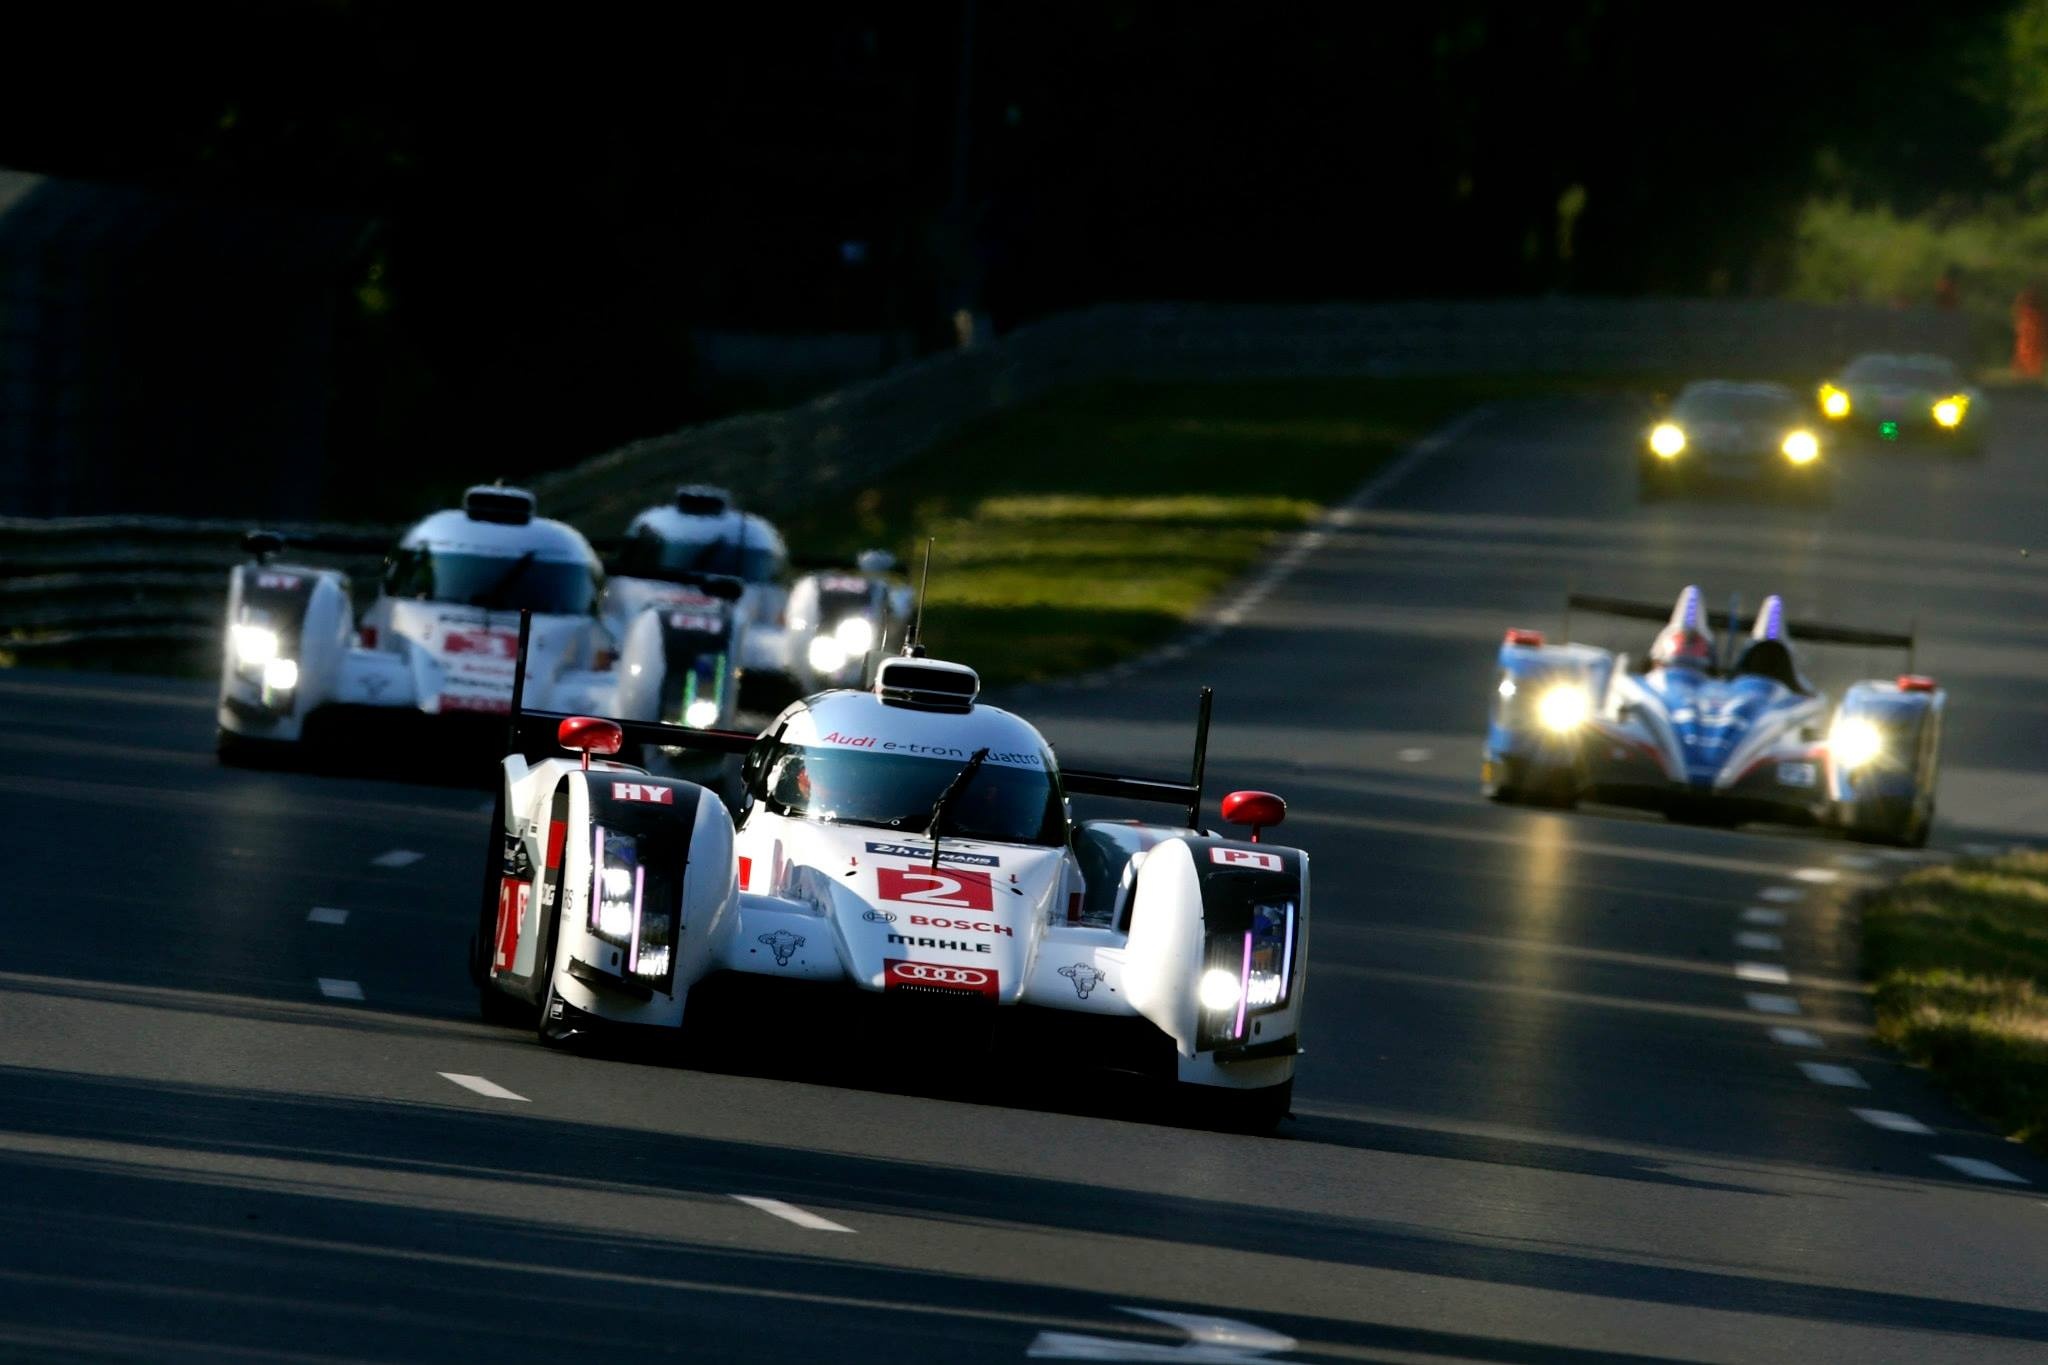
(1805, 632)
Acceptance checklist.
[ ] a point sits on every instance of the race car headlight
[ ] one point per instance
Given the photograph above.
(1667, 439)
(856, 635)
(281, 675)
(1949, 412)
(619, 909)
(254, 645)
(1563, 708)
(1855, 742)
(1833, 402)
(1801, 448)
(1218, 990)
(826, 654)
(701, 714)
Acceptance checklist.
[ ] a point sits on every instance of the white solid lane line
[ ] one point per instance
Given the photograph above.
(1824, 1073)
(326, 914)
(1893, 1122)
(1769, 973)
(1855, 862)
(1795, 1037)
(1757, 914)
(397, 857)
(1982, 1170)
(1759, 942)
(790, 1213)
(1771, 1004)
(490, 1090)
(336, 989)
(1819, 876)
(1781, 894)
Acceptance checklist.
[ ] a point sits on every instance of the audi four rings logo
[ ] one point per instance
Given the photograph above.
(942, 976)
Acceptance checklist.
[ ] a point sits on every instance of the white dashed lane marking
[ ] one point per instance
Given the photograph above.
(1413, 755)
(1759, 942)
(1771, 1004)
(1781, 894)
(1768, 973)
(1795, 1037)
(790, 1213)
(326, 914)
(1757, 914)
(1982, 1170)
(1893, 1122)
(1823, 1073)
(335, 989)
(490, 1090)
(1819, 876)
(397, 857)
(1855, 862)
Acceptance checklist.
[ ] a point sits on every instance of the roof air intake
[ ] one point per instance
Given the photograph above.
(499, 504)
(926, 685)
(702, 500)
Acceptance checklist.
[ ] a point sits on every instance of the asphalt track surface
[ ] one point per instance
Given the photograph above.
(1554, 1109)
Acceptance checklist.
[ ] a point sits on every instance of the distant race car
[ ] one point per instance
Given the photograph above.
(842, 623)
(1711, 739)
(1905, 397)
(1742, 435)
(439, 640)
(909, 843)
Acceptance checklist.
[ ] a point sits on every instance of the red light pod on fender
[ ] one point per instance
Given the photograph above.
(591, 735)
(1518, 636)
(1260, 810)
(1915, 682)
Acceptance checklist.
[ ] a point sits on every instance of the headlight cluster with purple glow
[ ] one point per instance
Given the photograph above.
(620, 910)
(1246, 974)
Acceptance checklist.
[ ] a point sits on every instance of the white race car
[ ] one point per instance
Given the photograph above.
(908, 843)
(440, 640)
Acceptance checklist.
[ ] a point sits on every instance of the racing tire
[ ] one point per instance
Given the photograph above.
(1255, 1113)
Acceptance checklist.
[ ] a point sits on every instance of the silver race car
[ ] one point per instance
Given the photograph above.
(1916, 398)
(906, 846)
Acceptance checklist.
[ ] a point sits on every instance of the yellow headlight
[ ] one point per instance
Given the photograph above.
(1667, 439)
(1855, 742)
(1949, 411)
(1833, 401)
(1563, 708)
(1801, 448)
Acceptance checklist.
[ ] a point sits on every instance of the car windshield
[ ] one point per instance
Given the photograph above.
(1726, 406)
(500, 582)
(896, 791)
(647, 555)
(1902, 373)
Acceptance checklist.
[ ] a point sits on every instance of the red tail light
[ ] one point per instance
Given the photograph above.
(1518, 636)
(1915, 682)
(368, 634)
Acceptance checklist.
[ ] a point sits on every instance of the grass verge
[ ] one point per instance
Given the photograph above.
(1094, 524)
(1959, 958)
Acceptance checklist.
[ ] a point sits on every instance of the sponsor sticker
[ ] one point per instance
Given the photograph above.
(945, 856)
(466, 701)
(879, 917)
(944, 945)
(700, 622)
(939, 976)
(972, 926)
(644, 792)
(514, 895)
(783, 944)
(1797, 774)
(1010, 759)
(1084, 976)
(1247, 857)
(486, 644)
(281, 582)
(959, 889)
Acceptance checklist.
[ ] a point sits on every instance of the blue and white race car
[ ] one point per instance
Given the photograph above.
(1714, 739)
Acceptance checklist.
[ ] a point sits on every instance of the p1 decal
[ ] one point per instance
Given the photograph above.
(939, 976)
(491, 644)
(1247, 857)
(783, 944)
(514, 895)
(1083, 976)
(281, 582)
(644, 791)
(958, 889)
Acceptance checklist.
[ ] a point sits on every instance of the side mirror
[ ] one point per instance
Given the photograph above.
(590, 735)
(263, 544)
(1260, 810)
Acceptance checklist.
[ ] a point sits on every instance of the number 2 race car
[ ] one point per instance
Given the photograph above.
(909, 843)
(1714, 740)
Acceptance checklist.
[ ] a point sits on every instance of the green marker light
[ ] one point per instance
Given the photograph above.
(1888, 430)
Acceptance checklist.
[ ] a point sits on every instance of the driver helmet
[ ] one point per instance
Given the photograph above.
(1680, 646)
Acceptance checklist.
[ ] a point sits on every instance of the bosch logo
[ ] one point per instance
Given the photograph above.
(972, 925)
(879, 917)
(943, 976)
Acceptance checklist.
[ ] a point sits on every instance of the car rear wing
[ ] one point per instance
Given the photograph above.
(1805, 632)
(538, 728)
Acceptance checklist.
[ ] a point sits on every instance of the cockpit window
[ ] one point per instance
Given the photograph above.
(648, 555)
(1903, 374)
(499, 582)
(1000, 802)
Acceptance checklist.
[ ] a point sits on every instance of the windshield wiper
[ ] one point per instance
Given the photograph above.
(953, 789)
(492, 595)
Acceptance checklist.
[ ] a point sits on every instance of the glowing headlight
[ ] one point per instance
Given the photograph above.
(1563, 708)
(1218, 989)
(281, 675)
(1801, 448)
(701, 714)
(1949, 411)
(254, 645)
(1667, 439)
(1833, 401)
(1507, 687)
(1855, 742)
(856, 635)
(826, 654)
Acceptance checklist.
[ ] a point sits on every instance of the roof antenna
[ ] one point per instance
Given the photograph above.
(913, 644)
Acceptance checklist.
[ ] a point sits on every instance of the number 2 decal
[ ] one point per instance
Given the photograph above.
(955, 888)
